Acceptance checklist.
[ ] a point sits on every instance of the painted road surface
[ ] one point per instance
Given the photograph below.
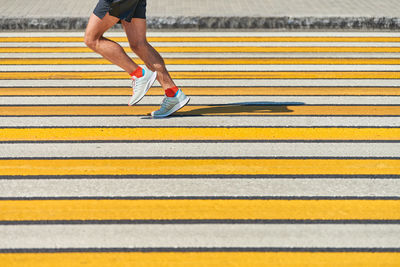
(287, 155)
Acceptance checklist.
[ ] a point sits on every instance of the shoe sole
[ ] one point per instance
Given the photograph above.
(174, 109)
(148, 86)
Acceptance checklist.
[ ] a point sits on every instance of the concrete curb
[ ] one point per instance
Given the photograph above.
(283, 23)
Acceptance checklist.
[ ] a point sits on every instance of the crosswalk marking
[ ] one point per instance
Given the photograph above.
(210, 61)
(232, 100)
(104, 75)
(181, 133)
(195, 259)
(273, 55)
(211, 68)
(219, 110)
(287, 153)
(209, 39)
(191, 166)
(205, 91)
(208, 82)
(231, 209)
(211, 49)
(214, 44)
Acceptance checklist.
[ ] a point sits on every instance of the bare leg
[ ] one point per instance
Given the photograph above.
(110, 50)
(136, 33)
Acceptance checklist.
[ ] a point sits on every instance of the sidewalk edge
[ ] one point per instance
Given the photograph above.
(283, 23)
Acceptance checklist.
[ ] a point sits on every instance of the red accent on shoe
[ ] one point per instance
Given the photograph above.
(137, 73)
(171, 92)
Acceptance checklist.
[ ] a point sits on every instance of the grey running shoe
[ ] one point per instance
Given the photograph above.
(171, 105)
(142, 85)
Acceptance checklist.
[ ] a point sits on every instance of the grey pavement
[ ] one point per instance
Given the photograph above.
(200, 235)
(265, 14)
(204, 100)
(230, 149)
(201, 187)
(120, 121)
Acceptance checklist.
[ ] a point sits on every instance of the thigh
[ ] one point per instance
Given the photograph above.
(135, 30)
(97, 27)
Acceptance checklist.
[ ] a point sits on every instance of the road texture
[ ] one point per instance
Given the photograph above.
(288, 154)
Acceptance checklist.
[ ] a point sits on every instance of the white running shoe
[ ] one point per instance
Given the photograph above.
(171, 105)
(142, 85)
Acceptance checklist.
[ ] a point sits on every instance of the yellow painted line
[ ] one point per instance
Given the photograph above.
(100, 61)
(89, 75)
(201, 110)
(49, 210)
(211, 39)
(201, 259)
(201, 167)
(211, 49)
(209, 61)
(208, 91)
(77, 134)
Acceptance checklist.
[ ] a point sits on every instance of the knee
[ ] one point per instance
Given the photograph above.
(137, 46)
(159, 67)
(91, 42)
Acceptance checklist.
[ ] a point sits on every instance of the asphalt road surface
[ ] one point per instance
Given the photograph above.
(287, 155)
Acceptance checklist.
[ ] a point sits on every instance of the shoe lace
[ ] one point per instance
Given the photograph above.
(134, 84)
(166, 102)
(137, 83)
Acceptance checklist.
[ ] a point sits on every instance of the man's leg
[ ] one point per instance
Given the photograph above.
(142, 80)
(175, 99)
(136, 33)
(110, 50)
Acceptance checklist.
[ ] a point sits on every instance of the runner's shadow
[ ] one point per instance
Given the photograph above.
(245, 108)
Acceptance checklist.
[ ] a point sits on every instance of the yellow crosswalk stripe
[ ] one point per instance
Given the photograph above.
(100, 75)
(221, 110)
(210, 39)
(201, 167)
(232, 209)
(200, 259)
(209, 61)
(206, 91)
(254, 133)
(212, 49)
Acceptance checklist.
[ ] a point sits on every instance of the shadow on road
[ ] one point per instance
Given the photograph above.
(242, 108)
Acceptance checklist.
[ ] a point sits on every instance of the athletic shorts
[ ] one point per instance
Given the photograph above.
(122, 9)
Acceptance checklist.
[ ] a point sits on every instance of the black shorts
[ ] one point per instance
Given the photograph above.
(122, 9)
